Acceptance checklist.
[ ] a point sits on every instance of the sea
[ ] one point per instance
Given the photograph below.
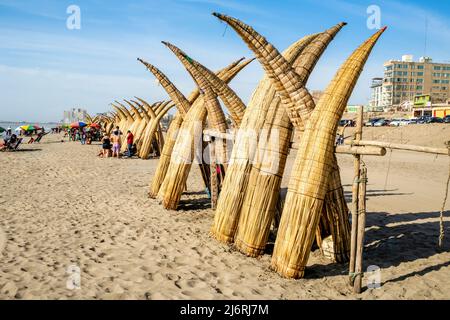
(13, 125)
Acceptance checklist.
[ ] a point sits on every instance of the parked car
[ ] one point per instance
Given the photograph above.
(446, 119)
(413, 120)
(435, 120)
(381, 123)
(423, 119)
(372, 122)
(396, 122)
(349, 123)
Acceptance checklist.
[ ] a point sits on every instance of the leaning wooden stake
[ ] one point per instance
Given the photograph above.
(361, 230)
(355, 191)
(213, 166)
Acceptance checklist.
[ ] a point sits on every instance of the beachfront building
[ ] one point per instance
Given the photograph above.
(377, 97)
(74, 115)
(405, 79)
(423, 106)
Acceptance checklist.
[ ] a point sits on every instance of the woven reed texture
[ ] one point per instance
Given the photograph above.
(185, 147)
(334, 219)
(177, 97)
(149, 114)
(230, 99)
(166, 153)
(150, 130)
(226, 74)
(143, 124)
(233, 187)
(216, 116)
(287, 82)
(183, 156)
(265, 177)
(310, 175)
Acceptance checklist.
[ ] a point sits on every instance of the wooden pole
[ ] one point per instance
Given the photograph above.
(361, 150)
(355, 191)
(361, 231)
(213, 168)
(398, 146)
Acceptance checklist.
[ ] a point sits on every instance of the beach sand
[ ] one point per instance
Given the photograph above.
(64, 210)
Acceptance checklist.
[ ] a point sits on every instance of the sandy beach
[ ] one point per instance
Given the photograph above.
(63, 208)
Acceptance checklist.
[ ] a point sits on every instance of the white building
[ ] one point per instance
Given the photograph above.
(74, 115)
(376, 98)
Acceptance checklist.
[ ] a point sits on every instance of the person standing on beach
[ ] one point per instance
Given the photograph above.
(83, 136)
(130, 139)
(106, 146)
(116, 143)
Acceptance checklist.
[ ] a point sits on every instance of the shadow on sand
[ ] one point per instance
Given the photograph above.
(388, 245)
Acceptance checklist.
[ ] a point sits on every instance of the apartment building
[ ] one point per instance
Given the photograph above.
(405, 79)
(73, 115)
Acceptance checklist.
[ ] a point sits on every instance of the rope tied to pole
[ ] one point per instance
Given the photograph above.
(353, 275)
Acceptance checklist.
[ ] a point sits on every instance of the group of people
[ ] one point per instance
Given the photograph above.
(111, 145)
(82, 135)
(10, 140)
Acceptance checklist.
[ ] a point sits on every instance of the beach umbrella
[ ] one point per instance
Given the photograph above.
(94, 125)
(2, 129)
(28, 128)
(77, 125)
(18, 129)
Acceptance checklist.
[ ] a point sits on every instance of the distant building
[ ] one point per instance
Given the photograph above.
(377, 99)
(74, 115)
(355, 108)
(423, 106)
(404, 80)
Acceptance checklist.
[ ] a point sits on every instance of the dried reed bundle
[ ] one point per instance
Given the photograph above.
(235, 182)
(177, 97)
(145, 118)
(226, 75)
(230, 99)
(185, 151)
(151, 128)
(285, 80)
(266, 174)
(310, 176)
(184, 148)
(149, 114)
(334, 220)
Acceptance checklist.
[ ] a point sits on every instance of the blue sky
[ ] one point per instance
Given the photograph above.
(46, 68)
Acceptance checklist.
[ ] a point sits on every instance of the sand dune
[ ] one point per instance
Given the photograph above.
(62, 208)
